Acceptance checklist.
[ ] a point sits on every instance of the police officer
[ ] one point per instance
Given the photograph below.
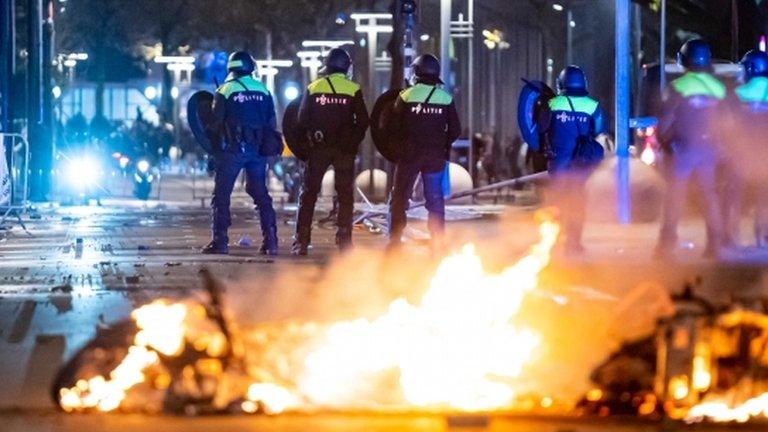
(749, 144)
(335, 117)
(245, 119)
(692, 105)
(567, 117)
(425, 120)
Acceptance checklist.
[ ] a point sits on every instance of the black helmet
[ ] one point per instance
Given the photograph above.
(427, 66)
(337, 60)
(240, 63)
(572, 81)
(695, 55)
(755, 64)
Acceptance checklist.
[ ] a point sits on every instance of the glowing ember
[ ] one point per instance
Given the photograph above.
(720, 410)
(648, 156)
(457, 349)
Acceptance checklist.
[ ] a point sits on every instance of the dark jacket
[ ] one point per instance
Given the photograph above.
(563, 124)
(425, 120)
(333, 113)
(244, 113)
(693, 104)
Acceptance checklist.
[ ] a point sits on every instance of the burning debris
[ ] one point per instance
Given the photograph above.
(170, 356)
(456, 349)
(703, 364)
(475, 341)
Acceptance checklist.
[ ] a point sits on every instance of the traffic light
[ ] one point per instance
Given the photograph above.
(408, 7)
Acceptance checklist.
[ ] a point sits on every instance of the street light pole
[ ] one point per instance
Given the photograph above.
(445, 43)
(663, 49)
(372, 24)
(471, 89)
(569, 36)
(622, 101)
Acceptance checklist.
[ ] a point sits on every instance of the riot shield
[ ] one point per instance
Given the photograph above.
(533, 96)
(295, 137)
(200, 118)
(386, 143)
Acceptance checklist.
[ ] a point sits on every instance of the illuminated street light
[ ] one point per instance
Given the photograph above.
(558, 7)
(310, 60)
(174, 59)
(150, 92)
(372, 24)
(291, 92)
(268, 69)
(326, 45)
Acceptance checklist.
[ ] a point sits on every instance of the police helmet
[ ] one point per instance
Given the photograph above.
(695, 55)
(240, 63)
(337, 60)
(427, 66)
(573, 81)
(755, 64)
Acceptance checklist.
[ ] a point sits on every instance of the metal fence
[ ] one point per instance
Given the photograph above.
(17, 149)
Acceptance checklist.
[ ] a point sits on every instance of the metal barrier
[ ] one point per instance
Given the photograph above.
(18, 167)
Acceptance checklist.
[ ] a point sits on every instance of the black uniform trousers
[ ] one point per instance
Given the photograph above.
(406, 173)
(320, 159)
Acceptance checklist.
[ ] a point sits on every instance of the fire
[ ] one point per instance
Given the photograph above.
(456, 349)
(163, 329)
(648, 155)
(720, 410)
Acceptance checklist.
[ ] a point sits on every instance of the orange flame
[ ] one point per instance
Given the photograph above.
(161, 329)
(456, 349)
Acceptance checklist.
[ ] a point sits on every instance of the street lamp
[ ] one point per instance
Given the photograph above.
(326, 45)
(494, 41)
(465, 29)
(181, 67)
(70, 62)
(268, 69)
(372, 24)
(310, 60)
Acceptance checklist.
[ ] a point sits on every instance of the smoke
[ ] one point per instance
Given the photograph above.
(581, 313)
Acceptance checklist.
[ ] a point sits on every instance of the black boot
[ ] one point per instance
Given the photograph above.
(299, 249)
(344, 239)
(216, 247)
(302, 240)
(269, 246)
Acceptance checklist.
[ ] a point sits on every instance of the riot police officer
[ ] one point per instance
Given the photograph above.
(334, 115)
(244, 115)
(750, 149)
(425, 120)
(692, 105)
(568, 117)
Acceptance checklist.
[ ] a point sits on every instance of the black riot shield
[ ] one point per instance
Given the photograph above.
(533, 96)
(295, 137)
(386, 142)
(200, 118)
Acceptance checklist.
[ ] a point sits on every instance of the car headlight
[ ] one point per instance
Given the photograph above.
(82, 172)
(142, 166)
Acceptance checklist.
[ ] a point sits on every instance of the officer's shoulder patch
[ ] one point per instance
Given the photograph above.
(319, 85)
(699, 84)
(420, 92)
(441, 97)
(249, 84)
(582, 104)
